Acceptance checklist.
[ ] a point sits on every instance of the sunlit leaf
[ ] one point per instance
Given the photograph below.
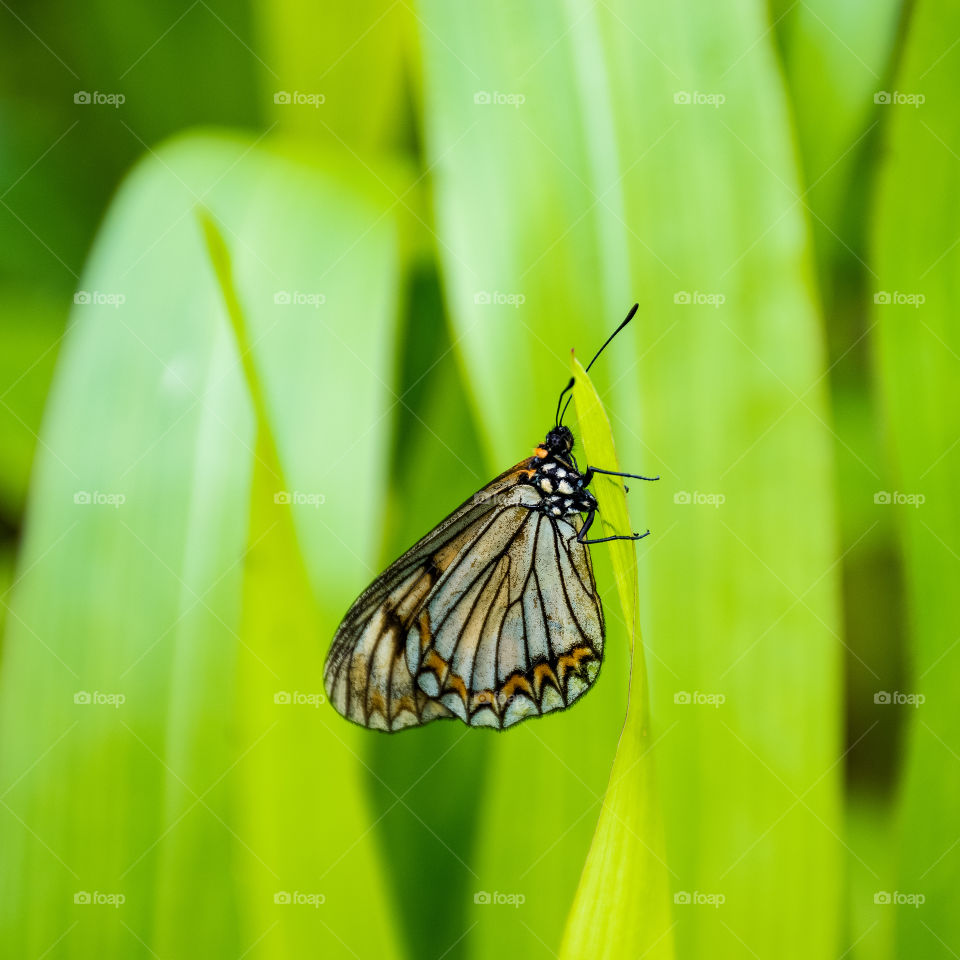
(531, 266)
(335, 72)
(622, 904)
(916, 259)
(651, 157)
(220, 783)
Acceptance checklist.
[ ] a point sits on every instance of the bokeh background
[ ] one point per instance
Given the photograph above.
(416, 209)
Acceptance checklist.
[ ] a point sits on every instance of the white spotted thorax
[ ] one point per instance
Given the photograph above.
(557, 478)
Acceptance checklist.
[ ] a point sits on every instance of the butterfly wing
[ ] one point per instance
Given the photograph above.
(492, 617)
(365, 675)
(515, 629)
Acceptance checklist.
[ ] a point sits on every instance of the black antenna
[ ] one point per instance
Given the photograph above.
(569, 386)
(630, 315)
(633, 310)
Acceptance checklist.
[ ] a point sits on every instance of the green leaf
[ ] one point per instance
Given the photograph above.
(622, 904)
(325, 61)
(276, 651)
(596, 437)
(525, 278)
(434, 770)
(30, 330)
(918, 357)
(837, 58)
(603, 186)
(202, 795)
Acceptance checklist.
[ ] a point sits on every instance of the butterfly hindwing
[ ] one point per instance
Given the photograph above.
(492, 617)
(517, 633)
(365, 675)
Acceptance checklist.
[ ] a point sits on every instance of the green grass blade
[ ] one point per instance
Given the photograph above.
(424, 784)
(603, 186)
(837, 59)
(327, 60)
(30, 329)
(622, 904)
(916, 259)
(276, 651)
(526, 278)
(201, 797)
(596, 436)
(740, 579)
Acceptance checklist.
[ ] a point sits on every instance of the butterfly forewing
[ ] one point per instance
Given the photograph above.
(492, 617)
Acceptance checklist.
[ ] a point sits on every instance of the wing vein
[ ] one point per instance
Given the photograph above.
(495, 559)
(473, 607)
(563, 584)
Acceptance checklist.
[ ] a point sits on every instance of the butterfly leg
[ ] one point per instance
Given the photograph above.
(588, 476)
(582, 535)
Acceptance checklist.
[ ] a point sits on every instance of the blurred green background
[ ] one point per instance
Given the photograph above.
(213, 438)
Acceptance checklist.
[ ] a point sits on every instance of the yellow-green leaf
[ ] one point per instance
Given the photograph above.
(622, 906)
(159, 568)
(917, 261)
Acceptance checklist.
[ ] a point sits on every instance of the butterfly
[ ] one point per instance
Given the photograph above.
(494, 615)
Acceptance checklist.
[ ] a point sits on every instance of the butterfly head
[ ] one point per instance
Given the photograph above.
(559, 442)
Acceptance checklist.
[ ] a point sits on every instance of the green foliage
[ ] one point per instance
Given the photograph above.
(30, 333)
(598, 188)
(918, 356)
(197, 798)
(621, 908)
(309, 342)
(739, 587)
